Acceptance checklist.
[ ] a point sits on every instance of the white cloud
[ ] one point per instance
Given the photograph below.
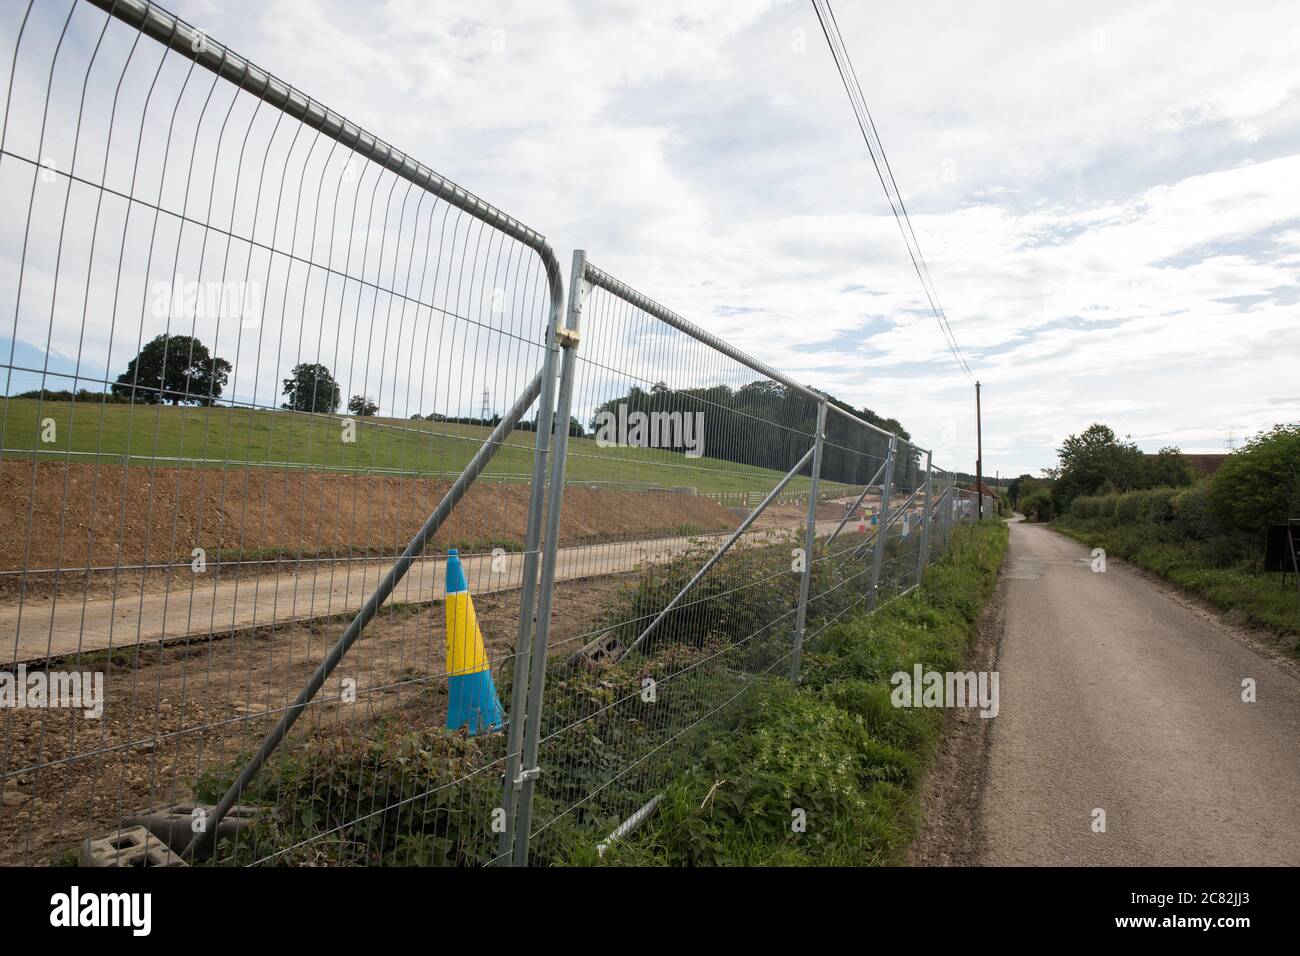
(1096, 188)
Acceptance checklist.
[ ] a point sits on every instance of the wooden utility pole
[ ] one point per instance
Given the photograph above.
(979, 454)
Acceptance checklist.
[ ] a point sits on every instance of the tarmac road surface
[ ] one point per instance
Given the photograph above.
(1118, 695)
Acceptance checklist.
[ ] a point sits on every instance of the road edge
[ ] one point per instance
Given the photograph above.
(952, 792)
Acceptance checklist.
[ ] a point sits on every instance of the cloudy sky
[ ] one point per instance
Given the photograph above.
(1108, 194)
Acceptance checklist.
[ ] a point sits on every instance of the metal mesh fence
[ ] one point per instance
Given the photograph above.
(249, 352)
(829, 519)
(632, 696)
(331, 534)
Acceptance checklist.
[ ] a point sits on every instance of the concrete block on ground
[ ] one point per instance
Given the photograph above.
(600, 653)
(135, 846)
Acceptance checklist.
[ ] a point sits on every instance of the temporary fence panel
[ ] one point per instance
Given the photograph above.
(846, 562)
(256, 359)
(644, 667)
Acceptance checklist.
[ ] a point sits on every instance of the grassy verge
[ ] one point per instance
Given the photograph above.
(1225, 580)
(834, 747)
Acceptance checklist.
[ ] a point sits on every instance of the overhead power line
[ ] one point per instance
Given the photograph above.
(849, 77)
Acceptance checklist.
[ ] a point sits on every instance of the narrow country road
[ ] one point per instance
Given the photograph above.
(1118, 696)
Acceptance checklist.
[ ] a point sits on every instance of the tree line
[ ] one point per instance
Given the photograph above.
(763, 424)
(767, 425)
(1096, 462)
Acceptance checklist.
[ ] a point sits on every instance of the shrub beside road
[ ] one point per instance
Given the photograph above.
(1208, 538)
(834, 746)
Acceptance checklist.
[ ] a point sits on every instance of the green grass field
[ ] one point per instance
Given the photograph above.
(237, 437)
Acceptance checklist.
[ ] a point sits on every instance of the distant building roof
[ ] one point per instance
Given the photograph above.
(987, 490)
(1206, 464)
(1203, 464)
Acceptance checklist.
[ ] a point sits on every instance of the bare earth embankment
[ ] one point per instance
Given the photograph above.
(79, 515)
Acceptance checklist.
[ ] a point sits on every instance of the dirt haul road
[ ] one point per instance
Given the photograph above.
(68, 625)
(1118, 695)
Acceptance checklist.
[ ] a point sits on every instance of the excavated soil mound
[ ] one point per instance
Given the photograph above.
(109, 515)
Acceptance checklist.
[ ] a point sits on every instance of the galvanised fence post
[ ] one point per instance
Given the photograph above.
(884, 519)
(945, 510)
(945, 506)
(528, 596)
(956, 516)
(526, 779)
(922, 552)
(809, 539)
(950, 513)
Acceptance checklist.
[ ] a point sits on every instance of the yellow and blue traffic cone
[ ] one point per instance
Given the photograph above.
(472, 700)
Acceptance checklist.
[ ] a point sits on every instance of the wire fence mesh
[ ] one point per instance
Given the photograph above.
(632, 697)
(247, 357)
(355, 545)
